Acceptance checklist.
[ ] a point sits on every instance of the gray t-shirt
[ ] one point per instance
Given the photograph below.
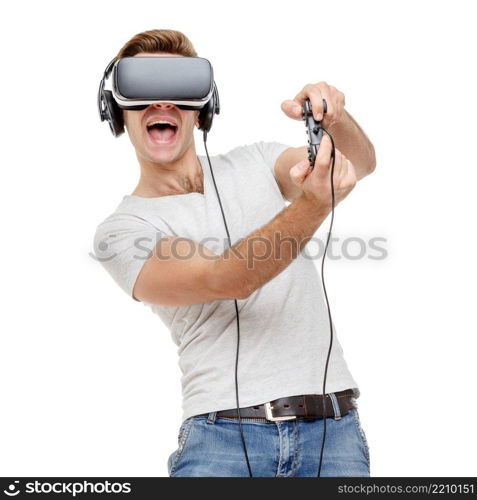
(284, 329)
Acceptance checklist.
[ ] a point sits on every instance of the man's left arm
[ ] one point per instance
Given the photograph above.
(348, 136)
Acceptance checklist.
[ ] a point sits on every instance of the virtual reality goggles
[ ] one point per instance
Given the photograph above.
(138, 82)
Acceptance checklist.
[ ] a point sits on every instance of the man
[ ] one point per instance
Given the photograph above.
(168, 249)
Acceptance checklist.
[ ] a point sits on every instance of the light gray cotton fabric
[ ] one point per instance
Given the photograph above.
(284, 330)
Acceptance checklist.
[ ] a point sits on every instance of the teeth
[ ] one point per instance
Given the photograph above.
(161, 121)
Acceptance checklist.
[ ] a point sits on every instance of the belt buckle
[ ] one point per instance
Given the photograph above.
(269, 414)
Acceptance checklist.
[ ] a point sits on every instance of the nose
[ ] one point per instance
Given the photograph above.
(163, 105)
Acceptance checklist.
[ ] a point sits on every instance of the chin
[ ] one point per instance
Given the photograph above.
(162, 156)
(162, 152)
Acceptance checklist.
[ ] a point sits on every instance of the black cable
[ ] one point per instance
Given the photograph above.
(324, 290)
(326, 295)
(236, 315)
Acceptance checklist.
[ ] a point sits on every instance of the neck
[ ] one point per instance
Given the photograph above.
(182, 176)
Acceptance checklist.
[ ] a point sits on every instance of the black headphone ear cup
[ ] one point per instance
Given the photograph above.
(206, 116)
(112, 113)
(216, 100)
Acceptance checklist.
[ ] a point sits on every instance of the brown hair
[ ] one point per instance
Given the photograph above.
(153, 41)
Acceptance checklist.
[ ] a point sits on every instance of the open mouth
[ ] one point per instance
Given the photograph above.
(162, 131)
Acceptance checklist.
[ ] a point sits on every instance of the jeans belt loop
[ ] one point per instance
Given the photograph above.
(211, 417)
(336, 406)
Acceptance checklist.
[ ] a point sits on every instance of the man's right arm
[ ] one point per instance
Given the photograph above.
(176, 276)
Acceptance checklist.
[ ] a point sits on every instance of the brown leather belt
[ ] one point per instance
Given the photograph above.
(288, 408)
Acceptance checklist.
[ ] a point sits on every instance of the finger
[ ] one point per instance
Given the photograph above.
(316, 96)
(323, 157)
(299, 172)
(330, 105)
(312, 92)
(334, 118)
(292, 109)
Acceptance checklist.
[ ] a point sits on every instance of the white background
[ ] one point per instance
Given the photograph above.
(85, 370)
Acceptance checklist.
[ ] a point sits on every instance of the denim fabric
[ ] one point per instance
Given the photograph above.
(210, 446)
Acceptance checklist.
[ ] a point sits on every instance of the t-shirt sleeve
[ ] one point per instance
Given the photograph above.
(269, 151)
(122, 244)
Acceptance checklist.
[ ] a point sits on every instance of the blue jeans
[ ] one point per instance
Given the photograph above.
(211, 446)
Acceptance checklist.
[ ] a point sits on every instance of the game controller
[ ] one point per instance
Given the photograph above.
(313, 129)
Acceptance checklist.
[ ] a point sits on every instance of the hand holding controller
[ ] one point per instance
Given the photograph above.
(334, 175)
(313, 129)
